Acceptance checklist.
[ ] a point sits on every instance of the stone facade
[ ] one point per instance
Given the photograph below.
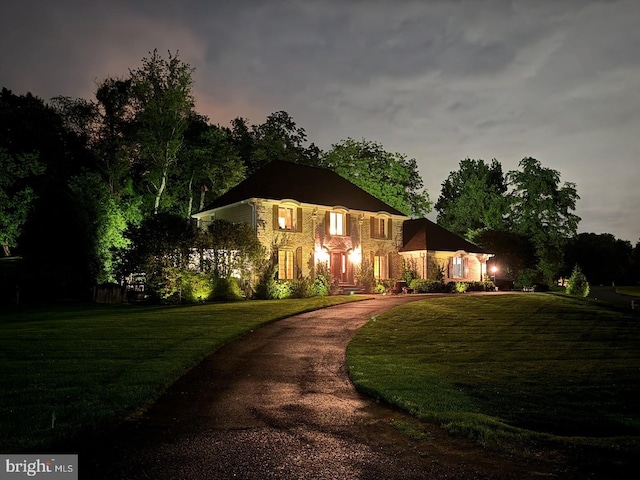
(306, 234)
(472, 267)
(307, 217)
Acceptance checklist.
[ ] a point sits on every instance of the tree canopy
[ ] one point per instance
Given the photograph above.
(473, 198)
(16, 195)
(481, 203)
(139, 150)
(542, 209)
(278, 138)
(390, 177)
(162, 103)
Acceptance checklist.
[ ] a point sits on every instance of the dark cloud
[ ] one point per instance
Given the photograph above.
(437, 80)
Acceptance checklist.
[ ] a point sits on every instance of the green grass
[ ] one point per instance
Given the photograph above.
(631, 290)
(512, 368)
(68, 369)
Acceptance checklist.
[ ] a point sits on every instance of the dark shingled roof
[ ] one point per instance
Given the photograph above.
(280, 180)
(423, 234)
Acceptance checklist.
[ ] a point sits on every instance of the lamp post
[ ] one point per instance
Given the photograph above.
(494, 269)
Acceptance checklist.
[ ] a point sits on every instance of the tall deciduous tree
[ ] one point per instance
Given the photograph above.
(162, 103)
(542, 209)
(210, 165)
(390, 177)
(103, 219)
(278, 138)
(473, 198)
(112, 144)
(16, 195)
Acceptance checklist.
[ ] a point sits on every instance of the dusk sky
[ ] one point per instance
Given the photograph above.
(436, 80)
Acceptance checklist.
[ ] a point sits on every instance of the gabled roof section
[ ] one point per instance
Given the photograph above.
(423, 234)
(279, 180)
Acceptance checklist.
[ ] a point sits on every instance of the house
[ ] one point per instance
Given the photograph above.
(430, 247)
(307, 215)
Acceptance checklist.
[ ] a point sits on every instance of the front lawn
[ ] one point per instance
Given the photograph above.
(631, 290)
(508, 369)
(66, 369)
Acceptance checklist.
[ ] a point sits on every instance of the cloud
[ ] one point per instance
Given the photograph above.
(438, 80)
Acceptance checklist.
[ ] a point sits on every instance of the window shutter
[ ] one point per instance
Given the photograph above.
(465, 266)
(450, 270)
(389, 230)
(372, 227)
(327, 222)
(297, 273)
(276, 226)
(299, 220)
(347, 227)
(389, 265)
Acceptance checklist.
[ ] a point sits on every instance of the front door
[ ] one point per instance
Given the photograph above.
(340, 267)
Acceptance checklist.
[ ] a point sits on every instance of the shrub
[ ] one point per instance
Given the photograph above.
(165, 286)
(301, 288)
(421, 285)
(540, 287)
(365, 276)
(380, 288)
(266, 286)
(321, 286)
(462, 287)
(486, 286)
(409, 270)
(527, 277)
(279, 290)
(322, 282)
(226, 289)
(577, 283)
(196, 287)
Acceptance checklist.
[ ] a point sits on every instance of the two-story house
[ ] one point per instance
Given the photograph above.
(307, 215)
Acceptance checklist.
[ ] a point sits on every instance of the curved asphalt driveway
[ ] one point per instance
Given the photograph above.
(278, 405)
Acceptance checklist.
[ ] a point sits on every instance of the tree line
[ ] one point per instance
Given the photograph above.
(527, 217)
(79, 178)
(83, 182)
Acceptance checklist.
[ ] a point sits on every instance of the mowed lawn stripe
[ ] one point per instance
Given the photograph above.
(68, 369)
(530, 366)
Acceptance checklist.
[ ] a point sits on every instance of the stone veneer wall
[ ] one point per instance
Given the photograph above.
(314, 233)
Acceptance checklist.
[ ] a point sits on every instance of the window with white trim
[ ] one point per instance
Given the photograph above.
(286, 260)
(286, 218)
(459, 266)
(336, 223)
(380, 227)
(380, 266)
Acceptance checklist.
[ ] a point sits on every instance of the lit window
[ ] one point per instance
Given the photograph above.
(285, 264)
(457, 267)
(379, 267)
(285, 218)
(336, 223)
